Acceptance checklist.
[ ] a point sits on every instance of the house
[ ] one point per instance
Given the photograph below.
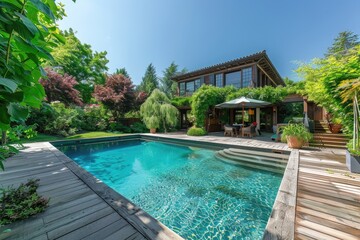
(254, 70)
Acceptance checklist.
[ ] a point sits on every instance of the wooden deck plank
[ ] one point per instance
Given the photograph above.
(90, 228)
(107, 230)
(328, 200)
(123, 233)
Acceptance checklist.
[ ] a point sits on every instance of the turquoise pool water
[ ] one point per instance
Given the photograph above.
(187, 189)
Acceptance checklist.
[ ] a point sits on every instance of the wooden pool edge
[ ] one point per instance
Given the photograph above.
(281, 222)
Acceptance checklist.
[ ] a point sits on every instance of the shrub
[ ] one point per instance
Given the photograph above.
(119, 127)
(205, 98)
(195, 131)
(138, 127)
(21, 131)
(94, 118)
(353, 150)
(21, 203)
(8, 151)
(65, 122)
(41, 117)
(181, 101)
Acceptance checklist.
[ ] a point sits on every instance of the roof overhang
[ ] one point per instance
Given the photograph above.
(260, 58)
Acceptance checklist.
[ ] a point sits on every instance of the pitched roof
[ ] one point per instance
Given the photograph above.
(260, 58)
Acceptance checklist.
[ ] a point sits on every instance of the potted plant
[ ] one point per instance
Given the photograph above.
(295, 135)
(335, 125)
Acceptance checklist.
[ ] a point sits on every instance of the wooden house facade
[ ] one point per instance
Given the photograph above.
(251, 71)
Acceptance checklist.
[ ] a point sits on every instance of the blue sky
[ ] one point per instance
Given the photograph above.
(199, 33)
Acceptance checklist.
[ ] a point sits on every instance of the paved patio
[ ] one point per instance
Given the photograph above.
(328, 198)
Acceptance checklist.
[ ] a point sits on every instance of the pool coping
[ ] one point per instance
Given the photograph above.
(281, 222)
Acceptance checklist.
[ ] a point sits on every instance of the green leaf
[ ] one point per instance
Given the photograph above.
(8, 83)
(4, 126)
(18, 113)
(34, 95)
(4, 115)
(43, 8)
(28, 23)
(60, 37)
(12, 97)
(4, 4)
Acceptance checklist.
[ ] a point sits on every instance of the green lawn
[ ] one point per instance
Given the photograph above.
(93, 135)
(47, 138)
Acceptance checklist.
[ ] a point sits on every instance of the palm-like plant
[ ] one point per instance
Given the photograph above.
(349, 93)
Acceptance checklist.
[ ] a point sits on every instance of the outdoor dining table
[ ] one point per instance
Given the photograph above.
(237, 128)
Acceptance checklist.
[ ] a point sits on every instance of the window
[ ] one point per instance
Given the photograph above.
(247, 77)
(219, 80)
(182, 88)
(197, 84)
(233, 79)
(190, 87)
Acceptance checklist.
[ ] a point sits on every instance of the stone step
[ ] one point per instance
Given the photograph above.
(262, 160)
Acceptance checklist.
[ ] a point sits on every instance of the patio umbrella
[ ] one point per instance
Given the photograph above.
(243, 102)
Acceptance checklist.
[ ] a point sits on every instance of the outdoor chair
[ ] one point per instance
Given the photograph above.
(228, 131)
(249, 131)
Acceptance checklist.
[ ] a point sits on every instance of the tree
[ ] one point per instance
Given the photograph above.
(344, 41)
(149, 81)
(60, 88)
(157, 111)
(123, 72)
(117, 94)
(79, 60)
(28, 33)
(168, 86)
(323, 78)
(167, 82)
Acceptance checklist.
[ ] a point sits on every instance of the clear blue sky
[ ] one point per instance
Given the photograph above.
(199, 33)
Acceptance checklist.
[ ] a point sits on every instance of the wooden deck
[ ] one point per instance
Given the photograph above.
(75, 210)
(328, 198)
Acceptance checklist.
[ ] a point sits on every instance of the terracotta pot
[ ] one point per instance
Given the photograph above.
(294, 142)
(335, 128)
(152, 130)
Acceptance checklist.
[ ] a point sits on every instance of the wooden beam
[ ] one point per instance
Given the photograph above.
(266, 74)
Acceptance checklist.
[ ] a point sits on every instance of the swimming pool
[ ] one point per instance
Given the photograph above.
(186, 188)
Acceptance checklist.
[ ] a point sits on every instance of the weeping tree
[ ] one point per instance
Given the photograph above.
(158, 111)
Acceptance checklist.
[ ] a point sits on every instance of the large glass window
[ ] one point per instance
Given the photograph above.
(219, 80)
(233, 79)
(246, 77)
(182, 88)
(197, 84)
(190, 87)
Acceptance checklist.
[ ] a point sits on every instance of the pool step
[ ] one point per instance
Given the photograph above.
(262, 160)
